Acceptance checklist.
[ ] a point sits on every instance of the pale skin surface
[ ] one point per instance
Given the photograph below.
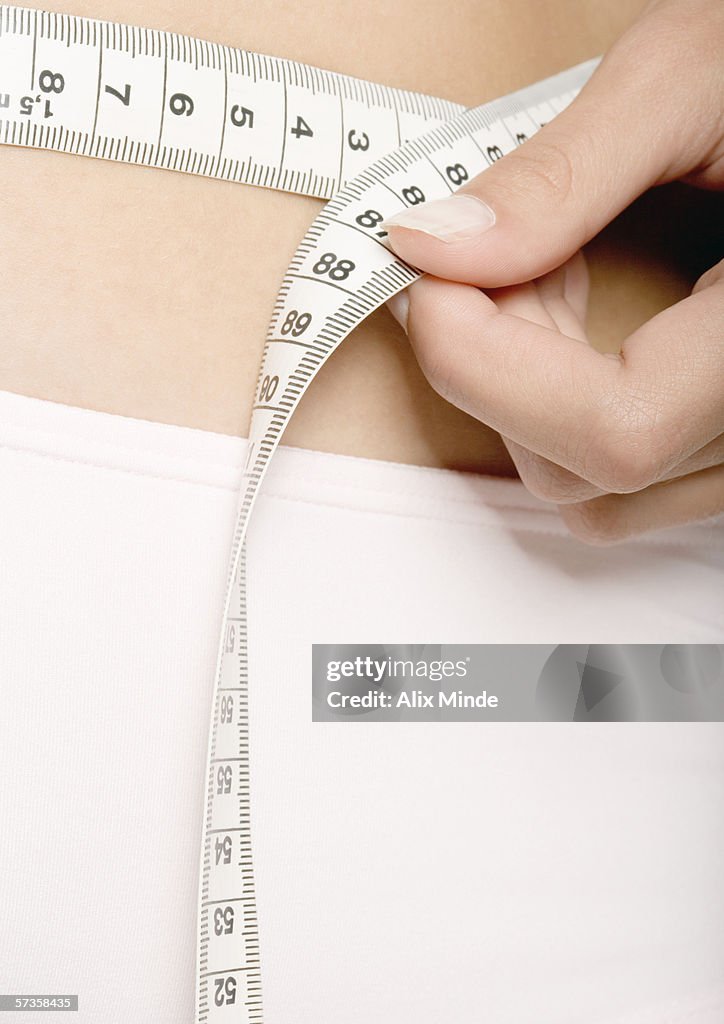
(147, 293)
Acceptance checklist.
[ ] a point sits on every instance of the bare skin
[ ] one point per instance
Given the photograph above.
(147, 293)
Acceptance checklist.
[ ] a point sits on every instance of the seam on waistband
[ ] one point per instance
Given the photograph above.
(126, 448)
(551, 526)
(415, 514)
(19, 450)
(473, 479)
(554, 527)
(457, 499)
(407, 467)
(269, 493)
(295, 452)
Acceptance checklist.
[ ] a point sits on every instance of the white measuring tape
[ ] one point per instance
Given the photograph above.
(119, 92)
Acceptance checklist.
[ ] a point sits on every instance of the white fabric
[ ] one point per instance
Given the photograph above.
(407, 873)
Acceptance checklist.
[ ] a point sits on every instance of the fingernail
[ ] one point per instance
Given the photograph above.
(454, 219)
(399, 306)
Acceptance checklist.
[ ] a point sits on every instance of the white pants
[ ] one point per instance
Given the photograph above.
(407, 873)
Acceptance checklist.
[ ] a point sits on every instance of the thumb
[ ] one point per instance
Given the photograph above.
(631, 126)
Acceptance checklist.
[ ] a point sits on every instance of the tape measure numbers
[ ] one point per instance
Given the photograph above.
(119, 92)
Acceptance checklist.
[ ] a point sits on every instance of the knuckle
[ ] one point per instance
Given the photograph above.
(546, 167)
(623, 455)
(624, 466)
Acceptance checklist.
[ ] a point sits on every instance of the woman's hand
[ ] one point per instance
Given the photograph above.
(623, 444)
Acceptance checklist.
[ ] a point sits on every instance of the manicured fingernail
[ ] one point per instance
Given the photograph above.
(399, 306)
(459, 217)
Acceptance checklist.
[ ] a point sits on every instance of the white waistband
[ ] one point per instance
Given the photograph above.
(204, 458)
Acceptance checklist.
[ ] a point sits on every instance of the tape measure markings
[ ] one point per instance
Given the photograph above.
(165, 67)
(322, 293)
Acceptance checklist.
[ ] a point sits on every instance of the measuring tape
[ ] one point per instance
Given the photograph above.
(136, 95)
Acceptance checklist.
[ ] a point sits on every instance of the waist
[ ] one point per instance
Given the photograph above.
(147, 293)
